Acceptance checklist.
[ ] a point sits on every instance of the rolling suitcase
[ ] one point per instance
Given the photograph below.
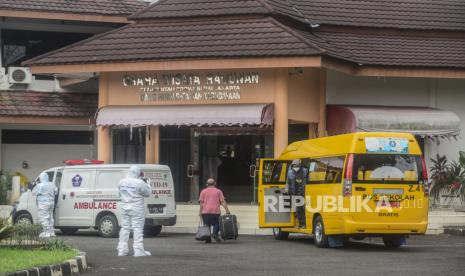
(229, 229)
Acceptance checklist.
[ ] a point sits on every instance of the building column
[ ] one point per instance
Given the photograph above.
(322, 88)
(104, 144)
(281, 114)
(152, 145)
(103, 132)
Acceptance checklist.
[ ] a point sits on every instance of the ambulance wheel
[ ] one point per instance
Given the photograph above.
(393, 242)
(108, 226)
(23, 218)
(279, 234)
(319, 236)
(68, 230)
(152, 231)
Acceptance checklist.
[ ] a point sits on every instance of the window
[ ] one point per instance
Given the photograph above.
(50, 176)
(274, 172)
(387, 168)
(19, 45)
(58, 178)
(325, 170)
(129, 145)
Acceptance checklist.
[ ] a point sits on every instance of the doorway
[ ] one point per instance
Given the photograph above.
(229, 155)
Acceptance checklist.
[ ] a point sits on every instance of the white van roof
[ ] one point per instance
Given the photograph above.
(115, 166)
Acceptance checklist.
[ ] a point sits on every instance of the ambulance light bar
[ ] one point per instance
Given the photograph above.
(82, 162)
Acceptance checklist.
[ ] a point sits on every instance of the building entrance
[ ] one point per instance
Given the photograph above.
(229, 156)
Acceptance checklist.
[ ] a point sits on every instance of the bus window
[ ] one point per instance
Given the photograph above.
(317, 171)
(274, 172)
(388, 168)
(325, 170)
(335, 167)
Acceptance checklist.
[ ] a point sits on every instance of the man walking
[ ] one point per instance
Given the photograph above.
(132, 192)
(211, 198)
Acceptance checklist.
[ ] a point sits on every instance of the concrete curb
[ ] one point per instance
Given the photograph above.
(454, 230)
(70, 267)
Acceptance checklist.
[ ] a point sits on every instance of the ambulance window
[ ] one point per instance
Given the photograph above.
(50, 176)
(58, 178)
(274, 172)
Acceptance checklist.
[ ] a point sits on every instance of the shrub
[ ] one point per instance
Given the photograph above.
(5, 185)
(6, 230)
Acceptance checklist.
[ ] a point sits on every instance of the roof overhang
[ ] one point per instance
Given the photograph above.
(421, 121)
(200, 115)
(353, 69)
(63, 16)
(35, 120)
(192, 64)
(255, 63)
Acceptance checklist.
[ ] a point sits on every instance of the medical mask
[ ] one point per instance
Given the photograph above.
(296, 169)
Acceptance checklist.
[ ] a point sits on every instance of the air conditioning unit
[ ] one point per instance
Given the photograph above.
(20, 75)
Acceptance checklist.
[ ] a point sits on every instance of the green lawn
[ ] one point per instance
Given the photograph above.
(16, 259)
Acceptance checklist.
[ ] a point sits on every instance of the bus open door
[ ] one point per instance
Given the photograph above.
(274, 205)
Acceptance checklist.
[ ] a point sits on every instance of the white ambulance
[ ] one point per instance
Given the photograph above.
(88, 198)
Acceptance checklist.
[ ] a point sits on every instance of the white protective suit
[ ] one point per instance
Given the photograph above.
(45, 193)
(132, 192)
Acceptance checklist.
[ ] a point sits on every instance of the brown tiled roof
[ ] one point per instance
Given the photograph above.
(410, 14)
(191, 8)
(374, 47)
(371, 38)
(47, 104)
(407, 14)
(253, 37)
(100, 7)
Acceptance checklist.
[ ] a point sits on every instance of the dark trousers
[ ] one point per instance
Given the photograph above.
(300, 210)
(212, 220)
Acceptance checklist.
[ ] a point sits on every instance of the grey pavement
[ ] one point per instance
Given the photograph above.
(175, 254)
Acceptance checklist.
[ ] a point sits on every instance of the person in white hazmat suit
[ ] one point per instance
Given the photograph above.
(132, 191)
(45, 193)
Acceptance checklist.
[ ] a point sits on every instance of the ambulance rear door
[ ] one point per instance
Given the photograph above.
(274, 205)
(75, 207)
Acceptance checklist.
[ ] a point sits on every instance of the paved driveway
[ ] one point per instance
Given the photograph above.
(182, 255)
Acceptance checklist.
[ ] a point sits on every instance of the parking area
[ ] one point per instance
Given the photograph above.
(262, 255)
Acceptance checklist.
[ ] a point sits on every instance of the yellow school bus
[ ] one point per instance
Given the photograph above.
(365, 184)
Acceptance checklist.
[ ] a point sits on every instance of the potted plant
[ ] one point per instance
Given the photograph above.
(447, 178)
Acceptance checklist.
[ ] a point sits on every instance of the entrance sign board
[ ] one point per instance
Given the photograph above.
(207, 86)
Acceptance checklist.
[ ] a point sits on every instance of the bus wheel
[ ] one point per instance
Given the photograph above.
(108, 226)
(393, 242)
(279, 234)
(321, 240)
(152, 231)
